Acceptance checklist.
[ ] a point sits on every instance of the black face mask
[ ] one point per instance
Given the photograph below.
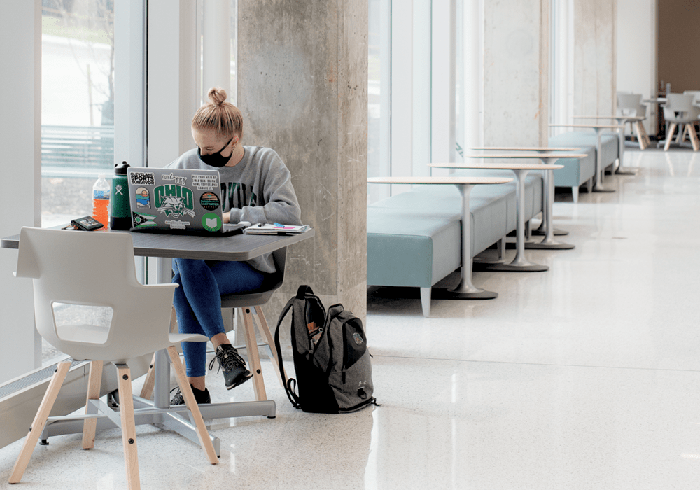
(215, 159)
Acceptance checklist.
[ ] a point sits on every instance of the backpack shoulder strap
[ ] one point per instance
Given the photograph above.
(289, 384)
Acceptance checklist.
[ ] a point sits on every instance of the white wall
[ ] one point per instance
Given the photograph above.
(637, 49)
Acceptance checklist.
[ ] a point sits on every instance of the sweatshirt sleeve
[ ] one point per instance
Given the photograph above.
(280, 200)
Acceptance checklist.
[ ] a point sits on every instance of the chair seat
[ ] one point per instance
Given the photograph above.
(246, 300)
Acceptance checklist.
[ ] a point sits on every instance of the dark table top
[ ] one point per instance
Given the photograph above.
(236, 247)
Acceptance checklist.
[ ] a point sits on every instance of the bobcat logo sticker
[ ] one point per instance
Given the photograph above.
(174, 200)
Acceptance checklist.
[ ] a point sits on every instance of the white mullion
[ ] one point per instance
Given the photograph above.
(471, 73)
(443, 110)
(421, 87)
(401, 91)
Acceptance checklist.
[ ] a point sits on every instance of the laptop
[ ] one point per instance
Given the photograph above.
(178, 201)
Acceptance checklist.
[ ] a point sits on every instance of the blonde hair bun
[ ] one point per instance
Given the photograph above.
(217, 95)
(219, 115)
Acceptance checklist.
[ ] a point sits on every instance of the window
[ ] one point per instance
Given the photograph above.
(77, 109)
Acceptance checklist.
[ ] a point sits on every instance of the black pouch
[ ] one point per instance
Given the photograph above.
(86, 223)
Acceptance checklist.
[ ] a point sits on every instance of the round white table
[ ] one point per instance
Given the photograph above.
(465, 290)
(642, 136)
(520, 262)
(598, 184)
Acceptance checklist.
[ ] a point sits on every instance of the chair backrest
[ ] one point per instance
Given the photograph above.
(93, 269)
(630, 105)
(280, 258)
(695, 94)
(680, 107)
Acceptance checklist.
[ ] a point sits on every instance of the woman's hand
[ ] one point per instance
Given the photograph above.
(227, 218)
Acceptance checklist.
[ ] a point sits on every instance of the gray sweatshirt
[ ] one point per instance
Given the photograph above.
(258, 189)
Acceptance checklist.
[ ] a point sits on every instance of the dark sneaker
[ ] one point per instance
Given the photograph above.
(233, 366)
(200, 396)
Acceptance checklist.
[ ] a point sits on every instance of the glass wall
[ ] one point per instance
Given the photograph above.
(379, 95)
(77, 106)
(418, 87)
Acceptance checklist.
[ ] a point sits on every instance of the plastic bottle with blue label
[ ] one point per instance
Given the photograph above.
(100, 201)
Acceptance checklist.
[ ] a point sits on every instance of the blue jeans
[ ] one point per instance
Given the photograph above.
(198, 301)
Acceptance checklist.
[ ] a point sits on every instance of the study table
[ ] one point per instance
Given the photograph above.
(159, 412)
(520, 170)
(465, 289)
(642, 135)
(598, 184)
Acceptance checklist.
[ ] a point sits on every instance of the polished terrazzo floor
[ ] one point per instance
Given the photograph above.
(583, 377)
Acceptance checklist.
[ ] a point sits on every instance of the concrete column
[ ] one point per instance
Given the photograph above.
(302, 89)
(516, 72)
(595, 72)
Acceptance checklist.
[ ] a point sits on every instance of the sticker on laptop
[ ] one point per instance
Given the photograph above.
(174, 201)
(171, 177)
(144, 220)
(205, 182)
(177, 224)
(142, 178)
(211, 222)
(209, 201)
(143, 198)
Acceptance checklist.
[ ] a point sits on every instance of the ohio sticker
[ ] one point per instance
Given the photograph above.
(211, 222)
(143, 198)
(209, 201)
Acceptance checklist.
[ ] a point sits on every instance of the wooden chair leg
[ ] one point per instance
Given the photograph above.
(253, 355)
(693, 137)
(93, 393)
(641, 135)
(669, 136)
(39, 420)
(271, 342)
(150, 382)
(126, 414)
(191, 404)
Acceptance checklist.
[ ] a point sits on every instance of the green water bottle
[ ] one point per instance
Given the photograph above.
(121, 211)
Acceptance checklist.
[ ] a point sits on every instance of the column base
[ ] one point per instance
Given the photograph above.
(600, 188)
(625, 172)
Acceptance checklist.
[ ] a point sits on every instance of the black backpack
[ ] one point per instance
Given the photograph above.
(331, 360)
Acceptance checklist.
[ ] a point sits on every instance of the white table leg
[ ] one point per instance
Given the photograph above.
(465, 289)
(621, 152)
(597, 187)
(548, 194)
(520, 263)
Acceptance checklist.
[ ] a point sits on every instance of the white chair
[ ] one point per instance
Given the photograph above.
(679, 109)
(97, 270)
(631, 105)
(255, 299)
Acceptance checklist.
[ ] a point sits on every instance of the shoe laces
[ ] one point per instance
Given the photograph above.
(228, 359)
(178, 393)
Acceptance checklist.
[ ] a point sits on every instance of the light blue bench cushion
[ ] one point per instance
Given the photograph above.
(576, 171)
(415, 238)
(578, 139)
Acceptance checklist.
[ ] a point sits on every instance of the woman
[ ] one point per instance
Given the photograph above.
(255, 187)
